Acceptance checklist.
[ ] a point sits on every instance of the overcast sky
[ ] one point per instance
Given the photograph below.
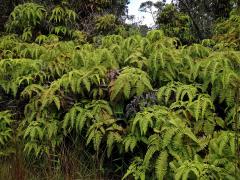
(133, 9)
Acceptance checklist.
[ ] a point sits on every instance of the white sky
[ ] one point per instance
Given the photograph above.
(133, 9)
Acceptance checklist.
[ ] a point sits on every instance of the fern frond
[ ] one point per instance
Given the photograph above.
(133, 78)
(162, 165)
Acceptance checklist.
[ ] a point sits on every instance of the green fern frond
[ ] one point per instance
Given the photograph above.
(130, 143)
(6, 131)
(162, 165)
(136, 169)
(137, 79)
(177, 92)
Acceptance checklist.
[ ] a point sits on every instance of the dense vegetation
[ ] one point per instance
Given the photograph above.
(112, 103)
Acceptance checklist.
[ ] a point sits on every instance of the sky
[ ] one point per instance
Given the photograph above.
(146, 18)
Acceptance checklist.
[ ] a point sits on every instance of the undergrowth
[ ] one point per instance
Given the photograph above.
(136, 107)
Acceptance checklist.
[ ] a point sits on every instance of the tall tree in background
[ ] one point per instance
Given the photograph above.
(170, 19)
(190, 17)
(152, 8)
(175, 24)
(204, 13)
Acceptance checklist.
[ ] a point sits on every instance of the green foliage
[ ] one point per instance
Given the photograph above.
(25, 16)
(147, 106)
(28, 20)
(78, 116)
(41, 137)
(6, 133)
(136, 169)
(95, 118)
(106, 23)
(198, 51)
(175, 23)
(197, 169)
(161, 165)
(130, 82)
(17, 71)
(227, 31)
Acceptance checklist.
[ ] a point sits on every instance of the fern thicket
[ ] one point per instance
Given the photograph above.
(6, 133)
(165, 110)
(227, 32)
(26, 20)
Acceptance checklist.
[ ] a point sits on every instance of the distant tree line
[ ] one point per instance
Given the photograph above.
(86, 10)
(190, 20)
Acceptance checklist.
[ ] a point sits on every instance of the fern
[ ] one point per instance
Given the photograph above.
(137, 60)
(163, 110)
(41, 137)
(188, 102)
(197, 170)
(218, 73)
(79, 81)
(28, 14)
(163, 65)
(130, 142)
(131, 81)
(200, 106)
(79, 116)
(107, 128)
(223, 145)
(155, 35)
(13, 73)
(6, 133)
(97, 116)
(106, 23)
(136, 169)
(58, 14)
(178, 92)
(226, 32)
(198, 51)
(161, 165)
(170, 132)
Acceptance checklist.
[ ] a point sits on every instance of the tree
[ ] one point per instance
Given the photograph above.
(204, 13)
(152, 8)
(175, 24)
